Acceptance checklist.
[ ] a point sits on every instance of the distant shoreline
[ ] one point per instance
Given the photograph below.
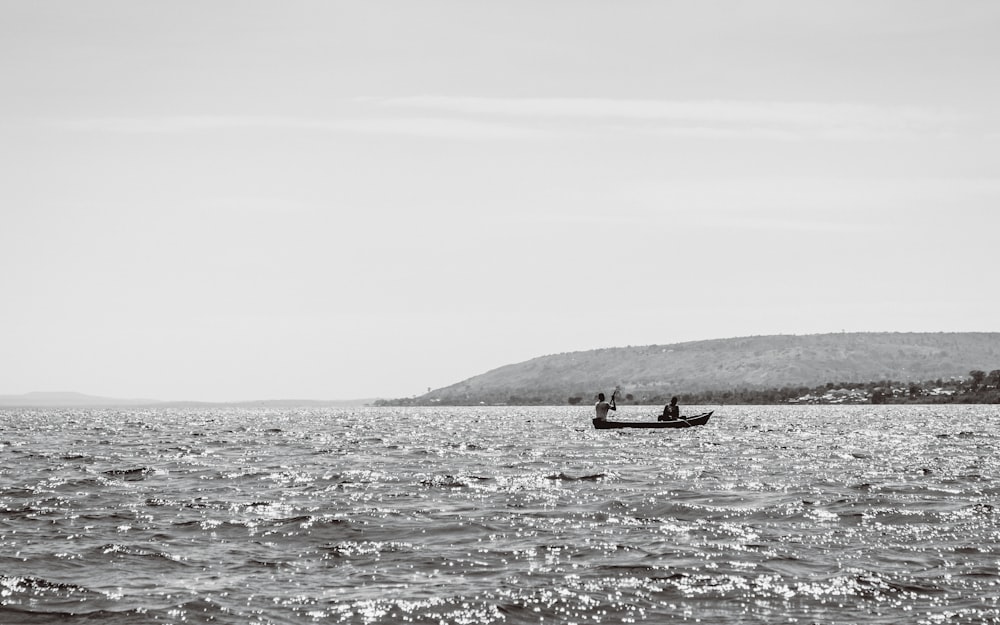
(71, 400)
(977, 389)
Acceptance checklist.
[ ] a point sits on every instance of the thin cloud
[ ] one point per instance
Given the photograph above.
(167, 124)
(723, 132)
(730, 111)
(789, 225)
(505, 119)
(429, 127)
(436, 127)
(709, 118)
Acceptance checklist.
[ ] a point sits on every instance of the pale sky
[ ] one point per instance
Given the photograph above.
(245, 200)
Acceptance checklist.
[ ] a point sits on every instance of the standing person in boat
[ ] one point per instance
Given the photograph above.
(671, 412)
(603, 407)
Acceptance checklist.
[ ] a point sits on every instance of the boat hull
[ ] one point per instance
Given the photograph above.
(683, 422)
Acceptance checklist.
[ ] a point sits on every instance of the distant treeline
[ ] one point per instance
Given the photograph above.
(978, 387)
(876, 392)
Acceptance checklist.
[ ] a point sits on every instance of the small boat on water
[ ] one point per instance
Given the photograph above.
(683, 422)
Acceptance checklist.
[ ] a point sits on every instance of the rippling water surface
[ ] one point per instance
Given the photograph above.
(819, 514)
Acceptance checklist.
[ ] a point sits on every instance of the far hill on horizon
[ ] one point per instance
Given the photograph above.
(70, 399)
(755, 362)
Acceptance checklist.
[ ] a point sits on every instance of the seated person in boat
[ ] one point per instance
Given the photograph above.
(671, 412)
(603, 407)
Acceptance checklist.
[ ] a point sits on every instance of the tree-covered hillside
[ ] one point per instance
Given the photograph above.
(651, 372)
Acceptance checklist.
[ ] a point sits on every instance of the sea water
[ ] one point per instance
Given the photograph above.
(820, 514)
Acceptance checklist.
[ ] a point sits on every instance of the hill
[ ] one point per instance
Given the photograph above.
(67, 399)
(757, 362)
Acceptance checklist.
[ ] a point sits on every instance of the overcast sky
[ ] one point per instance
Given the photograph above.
(246, 200)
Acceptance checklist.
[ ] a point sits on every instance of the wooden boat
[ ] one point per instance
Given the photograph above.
(683, 422)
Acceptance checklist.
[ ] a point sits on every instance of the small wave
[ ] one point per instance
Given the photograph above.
(445, 481)
(14, 585)
(302, 520)
(26, 583)
(17, 491)
(108, 516)
(983, 508)
(26, 511)
(137, 552)
(465, 446)
(962, 434)
(352, 548)
(196, 504)
(129, 475)
(583, 478)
